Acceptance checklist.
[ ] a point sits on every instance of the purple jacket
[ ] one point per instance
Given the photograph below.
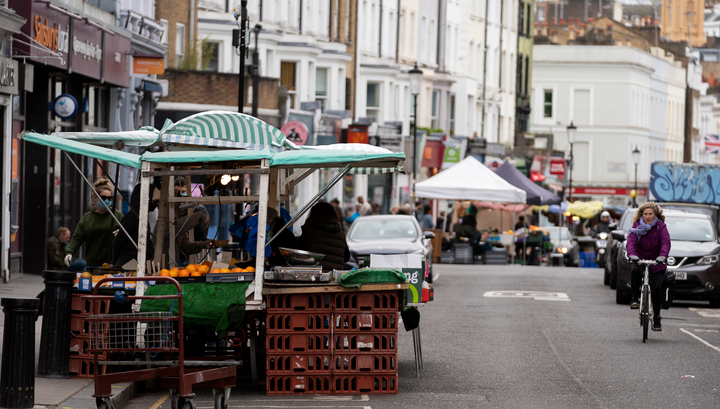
(652, 245)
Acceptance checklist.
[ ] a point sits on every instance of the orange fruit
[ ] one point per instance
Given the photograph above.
(215, 271)
(191, 268)
(237, 270)
(250, 269)
(175, 269)
(204, 269)
(184, 273)
(173, 272)
(86, 275)
(207, 263)
(164, 272)
(224, 270)
(196, 274)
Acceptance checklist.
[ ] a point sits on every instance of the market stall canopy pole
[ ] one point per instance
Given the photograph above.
(99, 199)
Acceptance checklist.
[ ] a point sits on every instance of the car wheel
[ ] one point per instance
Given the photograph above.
(621, 297)
(613, 276)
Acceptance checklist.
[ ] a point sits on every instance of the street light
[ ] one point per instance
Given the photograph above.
(636, 159)
(571, 129)
(415, 85)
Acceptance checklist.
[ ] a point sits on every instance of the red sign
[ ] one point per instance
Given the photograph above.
(48, 27)
(557, 166)
(296, 132)
(536, 169)
(433, 154)
(610, 191)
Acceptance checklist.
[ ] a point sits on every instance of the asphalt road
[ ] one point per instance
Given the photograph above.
(530, 347)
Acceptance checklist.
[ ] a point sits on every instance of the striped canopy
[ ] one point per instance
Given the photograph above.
(345, 151)
(225, 130)
(144, 136)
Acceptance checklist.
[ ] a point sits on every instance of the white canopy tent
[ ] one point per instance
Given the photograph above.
(469, 180)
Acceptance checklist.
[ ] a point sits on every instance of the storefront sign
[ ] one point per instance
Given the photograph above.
(296, 132)
(116, 69)
(358, 134)
(557, 166)
(144, 65)
(433, 154)
(54, 38)
(606, 191)
(86, 49)
(65, 106)
(8, 76)
(48, 27)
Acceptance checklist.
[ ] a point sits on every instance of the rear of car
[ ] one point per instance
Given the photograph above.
(564, 243)
(614, 246)
(693, 257)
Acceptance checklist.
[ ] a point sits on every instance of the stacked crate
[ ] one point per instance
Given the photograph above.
(82, 364)
(342, 344)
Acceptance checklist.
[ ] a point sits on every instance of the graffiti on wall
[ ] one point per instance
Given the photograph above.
(677, 182)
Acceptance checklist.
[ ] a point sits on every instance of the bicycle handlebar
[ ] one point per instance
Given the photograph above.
(648, 262)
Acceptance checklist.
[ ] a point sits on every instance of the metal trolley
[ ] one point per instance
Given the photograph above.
(155, 334)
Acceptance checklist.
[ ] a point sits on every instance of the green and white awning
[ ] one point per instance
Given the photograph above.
(225, 130)
(144, 136)
(82, 148)
(366, 159)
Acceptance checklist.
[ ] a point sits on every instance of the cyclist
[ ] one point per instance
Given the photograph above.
(648, 240)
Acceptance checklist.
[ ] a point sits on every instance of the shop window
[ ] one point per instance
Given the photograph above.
(288, 79)
(372, 109)
(213, 49)
(96, 117)
(548, 103)
(179, 43)
(321, 94)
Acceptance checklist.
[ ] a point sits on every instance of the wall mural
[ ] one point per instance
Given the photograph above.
(677, 182)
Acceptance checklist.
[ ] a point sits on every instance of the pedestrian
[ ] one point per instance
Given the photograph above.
(442, 222)
(426, 220)
(56, 246)
(365, 208)
(351, 218)
(375, 209)
(323, 234)
(123, 249)
(418, 210)
(404, 209)
(96, 229)
(395, 209)
(338, 209)
(648, 240)
(521, 223)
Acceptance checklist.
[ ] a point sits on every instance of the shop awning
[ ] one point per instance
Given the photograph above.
(369, 159)
(225, 130)
(229, 155)
(535, 194)
(144, 136)
(92, 151)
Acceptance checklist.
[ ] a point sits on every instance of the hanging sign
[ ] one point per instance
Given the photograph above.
(557, 166)
(296, 132)
(65, 106)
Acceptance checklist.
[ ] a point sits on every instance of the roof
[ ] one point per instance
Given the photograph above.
(536, 195)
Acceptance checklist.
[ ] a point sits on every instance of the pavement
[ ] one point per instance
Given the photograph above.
(52, 392)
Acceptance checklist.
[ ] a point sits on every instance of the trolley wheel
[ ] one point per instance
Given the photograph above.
(104, 403)
(189, 404)
(220, 401)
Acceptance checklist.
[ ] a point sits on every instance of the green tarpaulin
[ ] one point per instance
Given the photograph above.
(357, 278)
(214, 307)
(199, 156)
(92, 151)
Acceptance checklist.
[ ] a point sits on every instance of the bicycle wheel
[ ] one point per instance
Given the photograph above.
(645, 314)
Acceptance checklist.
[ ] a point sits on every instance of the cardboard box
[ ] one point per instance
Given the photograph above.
(412, 265)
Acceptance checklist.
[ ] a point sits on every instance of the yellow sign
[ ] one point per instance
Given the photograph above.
(143, 65)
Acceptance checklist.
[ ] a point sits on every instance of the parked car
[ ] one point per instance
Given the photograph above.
(694, 256)
(389, 234)
(565, 243)
(613, 247)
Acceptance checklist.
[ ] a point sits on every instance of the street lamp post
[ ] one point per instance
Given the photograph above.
(256, 72)
(636, 159)
(571, 129)
(415, 85)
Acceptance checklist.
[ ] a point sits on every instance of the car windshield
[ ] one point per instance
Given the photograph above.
(627, 222)
(559, 234)
(374, 229)
(689, 229)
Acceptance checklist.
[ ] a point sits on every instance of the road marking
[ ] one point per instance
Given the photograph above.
(537, 295)
(436, 276)
(285, 407)
(160, 401)
(706, 330)
(705, 312)
(700, 339)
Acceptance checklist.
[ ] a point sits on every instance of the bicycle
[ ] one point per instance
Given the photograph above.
(647, 315)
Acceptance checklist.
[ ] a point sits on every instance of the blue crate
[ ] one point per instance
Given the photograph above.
(587, 259)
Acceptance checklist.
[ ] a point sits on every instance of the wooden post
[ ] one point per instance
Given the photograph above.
(142, 231)
(188, 187)
(171, 217)
(162, 221)
(261, 237)
(273, 190)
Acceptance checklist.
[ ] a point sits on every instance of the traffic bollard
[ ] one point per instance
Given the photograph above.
(17, 375)
(54, 359)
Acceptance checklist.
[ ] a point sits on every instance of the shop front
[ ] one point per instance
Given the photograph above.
(71, 66)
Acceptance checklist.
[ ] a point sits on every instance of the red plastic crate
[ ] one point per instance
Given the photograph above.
(366, 321)
(79, 345)
(365, 385)
(299, 302)
(367, 301)
(364, 342)
(79, 324)
(81, 306)
(365, 363)
(279, 364)
(84, 366)
(297, 343)
(294, 322)
(299, 385)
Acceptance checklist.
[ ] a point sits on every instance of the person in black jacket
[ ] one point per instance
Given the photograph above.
(123, 249)
(322, 233)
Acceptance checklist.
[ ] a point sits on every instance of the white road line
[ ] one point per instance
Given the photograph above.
(436, 276)
(700, 339)
(551, 299)
(703, 312)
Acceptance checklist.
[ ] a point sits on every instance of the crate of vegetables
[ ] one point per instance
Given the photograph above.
(192, 273)
(227, 275)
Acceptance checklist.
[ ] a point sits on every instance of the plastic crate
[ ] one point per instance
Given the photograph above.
(84, 366)
(82, 306)
(367, 301)
(365, 385)
(298, 322)
(80, 345)
(297, 343)
(365, 363)
(463, 253)
(288, 364)
(447, 257)
(299, 385)
(79, 324)
(365, 321)
(372, 343)
(299, 302)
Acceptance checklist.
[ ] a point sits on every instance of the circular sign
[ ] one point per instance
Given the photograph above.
(296, 132)
(65, 106)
